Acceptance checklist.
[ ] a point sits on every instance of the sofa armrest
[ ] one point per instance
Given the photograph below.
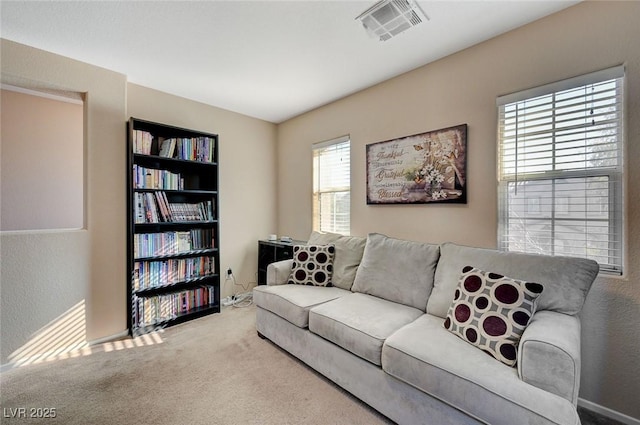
(278, 272)
(549, 354)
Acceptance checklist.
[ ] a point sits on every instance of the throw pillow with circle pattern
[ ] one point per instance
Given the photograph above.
(491, 311)
(312, 265)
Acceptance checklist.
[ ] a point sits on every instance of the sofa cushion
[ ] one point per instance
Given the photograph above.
(566, 280)
(425, 355)
(397, 270)
(360, 323)
(292, 302)
(491, 311)
(312, 265)
(348, 255)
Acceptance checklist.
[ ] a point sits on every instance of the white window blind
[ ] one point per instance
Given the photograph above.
(561, 169)
(332, 186)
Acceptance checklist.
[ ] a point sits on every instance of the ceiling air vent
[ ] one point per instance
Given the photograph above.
(388, 18)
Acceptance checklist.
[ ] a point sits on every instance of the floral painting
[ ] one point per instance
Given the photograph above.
(423, 168)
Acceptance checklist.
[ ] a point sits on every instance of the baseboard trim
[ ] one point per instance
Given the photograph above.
(109, 338)
(609, 413)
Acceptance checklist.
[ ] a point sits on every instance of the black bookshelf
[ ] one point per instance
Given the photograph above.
(173, 230)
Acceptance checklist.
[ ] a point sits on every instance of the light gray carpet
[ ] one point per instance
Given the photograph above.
(214, 370)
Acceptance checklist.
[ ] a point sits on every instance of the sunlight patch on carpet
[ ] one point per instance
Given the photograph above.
(66, 337)
(60, 337)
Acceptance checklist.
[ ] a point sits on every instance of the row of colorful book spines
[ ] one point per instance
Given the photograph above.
(154, 274)
(160, 308)
(155, 208)
(171, 243)
(180, 265)
(156, 282)
(142, 141)
(182, 211)
(151, 178)
(146, 208)
(195, 149)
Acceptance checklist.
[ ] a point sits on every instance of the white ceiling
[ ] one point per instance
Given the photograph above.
(267, 59)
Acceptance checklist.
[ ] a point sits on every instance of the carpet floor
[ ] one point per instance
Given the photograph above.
(213, 370)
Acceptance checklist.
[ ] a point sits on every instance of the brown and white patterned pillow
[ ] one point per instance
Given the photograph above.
(312, 265)
(491, 311)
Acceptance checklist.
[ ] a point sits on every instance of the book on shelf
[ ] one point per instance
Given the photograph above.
(155, 208)
(183, 211)
(138, 208)
(163, 204)
(187, 148)
(160, 273)
(167, 147)
(160, 308)
(172, 243)
(150, 208)
(142, 142)
(151, 178)
(195, 149)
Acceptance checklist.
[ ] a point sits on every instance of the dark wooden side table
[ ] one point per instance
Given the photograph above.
(272, 251)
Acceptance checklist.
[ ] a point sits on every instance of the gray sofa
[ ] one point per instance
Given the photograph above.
(379, 331)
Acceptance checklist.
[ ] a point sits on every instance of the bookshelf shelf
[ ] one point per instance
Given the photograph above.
(176, 191)
(172, 225)
(155, 159)
(177, 319)
(159, 227)
(176, 286)
(187, 254)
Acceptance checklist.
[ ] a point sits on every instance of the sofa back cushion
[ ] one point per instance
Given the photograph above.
(347, 257)
(397, 270)
(566, 280)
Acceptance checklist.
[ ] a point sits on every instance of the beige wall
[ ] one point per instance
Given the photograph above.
(42, 183)
(90, 262)
(247, 173)
(462, 88)
(45, 275)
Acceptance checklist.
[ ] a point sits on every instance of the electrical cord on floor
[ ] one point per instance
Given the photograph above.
(242, 299)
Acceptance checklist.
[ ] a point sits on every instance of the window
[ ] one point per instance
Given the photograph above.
(561, 169)
(332, 186)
